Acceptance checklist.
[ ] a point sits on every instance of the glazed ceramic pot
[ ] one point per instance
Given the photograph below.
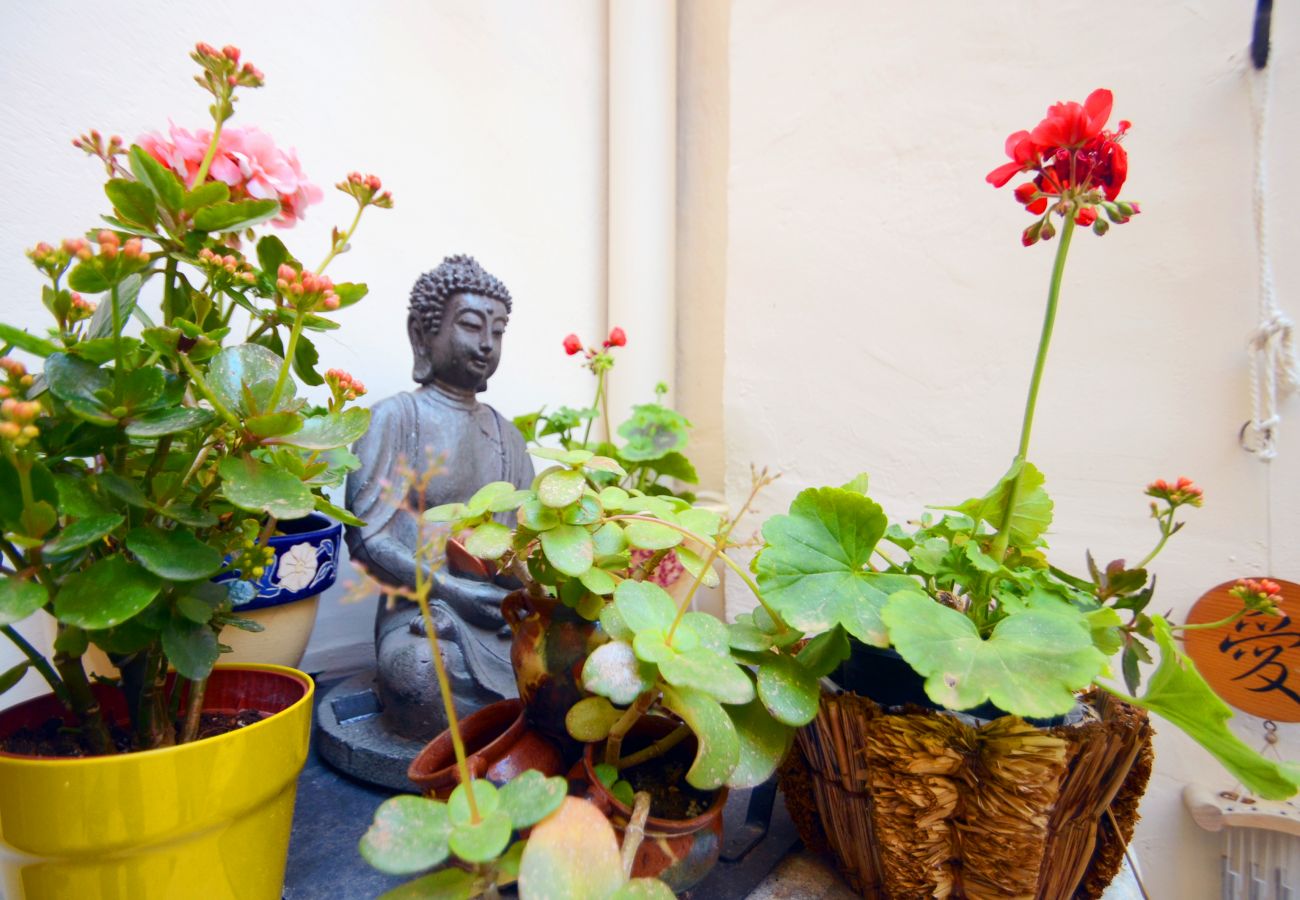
(679, 852)
(551, 642)
(499, 744)
(208, 819)
(285, 599)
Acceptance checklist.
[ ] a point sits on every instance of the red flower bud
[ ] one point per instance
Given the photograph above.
(1025, 192)
(572, 345)
(230, 52)
(617, 337)
(1085, 216)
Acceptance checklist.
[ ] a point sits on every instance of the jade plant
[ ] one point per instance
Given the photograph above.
(655, 436)
(741, 689)
(479, 825)
(152, 451)
(967, 595)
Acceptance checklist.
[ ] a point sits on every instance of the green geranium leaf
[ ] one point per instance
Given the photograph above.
(709, 673)
(236, 216)
(561, 487)
(409, 834)
(531, 797)
(764, 743)
(1032, 515)
(486, 797)
(112, 590)
(175, 555)
(569, 549)
(243, 378)
(1031, 665)
(821, 655)
(613, 670)
(788, 690)
(159, 179)
(1177, 692)
(674, 465)
(813, 567)
(572, 854)
(490, 540)
(590, 719)
(169, 421)
(652, 432)
(258, 487)
(484, 841)
(191, 648)
(19, 598)
(645, 606)
(718, 746)
(335, 429)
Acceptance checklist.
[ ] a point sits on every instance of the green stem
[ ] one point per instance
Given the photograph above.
(193, 710)
(83, 703)
(633, 714)
(40, 664)
(288, 360)
(201, 386)
(999, 547)
(220, 120)
(658, 748)
(1210, 626)
(118, 364)
(596, 404)
(342, 242)
(1165, 531)
(169, 292)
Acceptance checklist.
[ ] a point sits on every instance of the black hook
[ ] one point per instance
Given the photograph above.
(1259, 39)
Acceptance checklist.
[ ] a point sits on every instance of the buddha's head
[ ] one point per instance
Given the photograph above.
(457, 316)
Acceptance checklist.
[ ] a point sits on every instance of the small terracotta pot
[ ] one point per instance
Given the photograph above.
(551, 643)
(499, 745)
(679, 852)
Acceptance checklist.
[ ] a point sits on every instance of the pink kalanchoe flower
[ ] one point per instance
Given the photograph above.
(247, 161)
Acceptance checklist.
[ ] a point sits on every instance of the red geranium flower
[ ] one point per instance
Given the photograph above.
(572, 345)
(1070, 125)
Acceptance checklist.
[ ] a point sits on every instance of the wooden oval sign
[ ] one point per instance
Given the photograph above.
(1254, 663)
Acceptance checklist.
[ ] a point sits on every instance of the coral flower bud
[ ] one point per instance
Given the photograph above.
(617, 338)
(286, 272)
(330, 302)
(1025, 192)
(572, 345)
(230, 52)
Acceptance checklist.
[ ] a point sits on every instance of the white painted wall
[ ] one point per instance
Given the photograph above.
(882, 315)
(487, 121)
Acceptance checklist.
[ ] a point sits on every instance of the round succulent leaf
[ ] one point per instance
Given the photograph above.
(482, 499)
(611, 622)
(1031, 665)
(169, 421)
(586, 511)
(328, 431)
(652, 535)
(531, 796)
(609, 540)
(645, 606)
(536, 516)
(788, 690)
(490, 540)
(561, 487)
(613, 670)
(612, 498)
(256, 486)
(590, 719)
(511, 501)
(743, 635)
(112, 590)
(571, 854)
(704, 522)
(598, 581)
(274, 424)
(19, 598)
(568, 457)
(447, 512)
(710, 631)
(694, 565)
(486, 796)
(409, 834)
(191, 649)
(82, 533)
(764, 743)
(569, 548)
(643, 889)
(709, 673)
(445, 884)
(482, 841)
(651, 647)
(717, 744)
(508, 865)
(243, 378)
(604, 464)
(176, 555)
(590, 606)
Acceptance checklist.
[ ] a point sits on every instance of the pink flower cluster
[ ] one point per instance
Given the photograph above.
(247, 161)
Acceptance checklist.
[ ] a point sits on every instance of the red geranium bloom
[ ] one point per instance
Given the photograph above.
(1023, 151)
(1070, 125)
(572, 345)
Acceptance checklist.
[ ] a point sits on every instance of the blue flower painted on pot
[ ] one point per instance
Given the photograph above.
(306, 563)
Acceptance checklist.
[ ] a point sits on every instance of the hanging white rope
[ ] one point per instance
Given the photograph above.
(1274, 364)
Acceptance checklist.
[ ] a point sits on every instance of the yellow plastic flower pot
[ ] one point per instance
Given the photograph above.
(209, 819)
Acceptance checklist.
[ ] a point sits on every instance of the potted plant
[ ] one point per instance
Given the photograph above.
(981, 621)
(149, 456)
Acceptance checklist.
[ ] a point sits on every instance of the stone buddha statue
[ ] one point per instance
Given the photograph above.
(458, 314)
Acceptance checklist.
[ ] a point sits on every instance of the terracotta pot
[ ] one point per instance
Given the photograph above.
(551, 642)
(679, 852)
(208, 819)
(499, 744)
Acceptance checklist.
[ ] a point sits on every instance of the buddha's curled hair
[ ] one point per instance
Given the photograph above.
(459, 274)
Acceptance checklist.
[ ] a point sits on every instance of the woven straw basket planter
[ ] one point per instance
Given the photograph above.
(920, 804)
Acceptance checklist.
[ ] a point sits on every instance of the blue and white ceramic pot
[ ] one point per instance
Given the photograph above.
(285, 599)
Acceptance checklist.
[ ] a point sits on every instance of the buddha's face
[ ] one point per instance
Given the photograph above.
(467, 348)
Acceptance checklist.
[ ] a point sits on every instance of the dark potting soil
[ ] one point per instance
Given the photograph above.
(55, 739)
(664, 779)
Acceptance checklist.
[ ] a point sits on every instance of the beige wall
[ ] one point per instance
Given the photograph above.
(881, 314)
